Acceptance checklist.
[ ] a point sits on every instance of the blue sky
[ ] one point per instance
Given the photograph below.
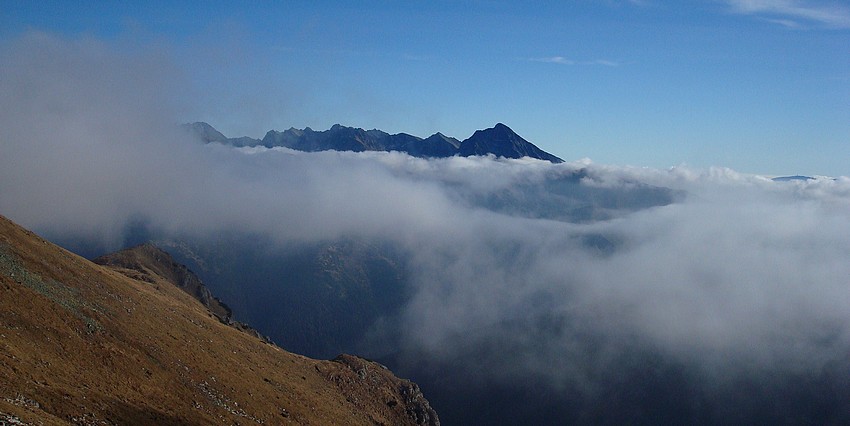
(760, 86)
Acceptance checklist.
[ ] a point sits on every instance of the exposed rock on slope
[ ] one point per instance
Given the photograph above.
(146, 262)
(83, 344)
(353, 375)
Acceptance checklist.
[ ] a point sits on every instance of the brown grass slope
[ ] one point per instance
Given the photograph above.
(146, 262)
(83, 344)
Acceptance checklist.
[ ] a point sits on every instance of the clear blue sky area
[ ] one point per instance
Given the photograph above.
(761, 86)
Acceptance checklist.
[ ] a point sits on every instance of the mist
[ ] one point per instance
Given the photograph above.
(722, 273)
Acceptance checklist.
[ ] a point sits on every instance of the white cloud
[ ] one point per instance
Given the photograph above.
(790, 12)
(785, 22)
(565, 61)
(554, 60)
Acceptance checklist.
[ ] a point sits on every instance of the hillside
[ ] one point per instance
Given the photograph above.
(84, 344)
(146, 262)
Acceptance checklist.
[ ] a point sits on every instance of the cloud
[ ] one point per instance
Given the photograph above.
(711, 275)
(91, 147)
(790, 12)
(564, 61)
(559, 276)
(785, 23)
(83, 124)
(554, 60)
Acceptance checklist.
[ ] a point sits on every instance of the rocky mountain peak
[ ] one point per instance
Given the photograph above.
(205, 132)
(501, 141)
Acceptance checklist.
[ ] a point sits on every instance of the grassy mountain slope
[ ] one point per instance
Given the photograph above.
(83, 344)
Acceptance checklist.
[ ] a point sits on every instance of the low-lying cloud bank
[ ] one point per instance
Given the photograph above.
(720, 271)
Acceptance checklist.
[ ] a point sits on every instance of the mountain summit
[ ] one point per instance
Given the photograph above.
(499, 140)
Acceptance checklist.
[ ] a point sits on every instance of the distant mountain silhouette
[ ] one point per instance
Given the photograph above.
(437, 145)
(205, 132)
(208, 134)
(500, 141)
(792, 178)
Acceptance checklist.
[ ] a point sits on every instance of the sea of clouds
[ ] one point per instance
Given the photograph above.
(726, 273)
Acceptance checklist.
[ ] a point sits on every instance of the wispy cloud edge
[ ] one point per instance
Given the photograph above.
(788, 12)
(566, 61)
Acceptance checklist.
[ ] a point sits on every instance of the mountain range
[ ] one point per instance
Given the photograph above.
(498, 140)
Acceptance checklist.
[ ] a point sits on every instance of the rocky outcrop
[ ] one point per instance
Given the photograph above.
(400, 399)
(145, 261)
